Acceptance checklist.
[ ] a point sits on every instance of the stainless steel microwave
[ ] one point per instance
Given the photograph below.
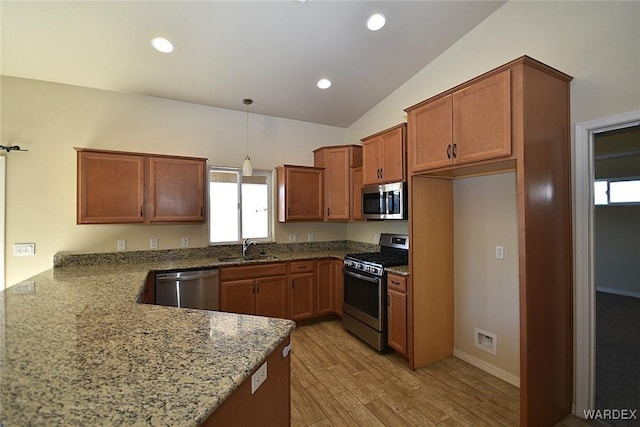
(385, 201)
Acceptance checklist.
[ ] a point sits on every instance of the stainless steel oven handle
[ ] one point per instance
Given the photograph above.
(362, 277)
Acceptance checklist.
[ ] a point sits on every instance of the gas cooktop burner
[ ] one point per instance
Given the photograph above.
(379, 258)
(394, 250)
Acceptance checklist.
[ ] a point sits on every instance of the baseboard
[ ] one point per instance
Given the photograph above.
(618, 292)
(487, 367)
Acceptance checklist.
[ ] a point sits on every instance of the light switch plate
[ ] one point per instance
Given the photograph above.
(24, 249)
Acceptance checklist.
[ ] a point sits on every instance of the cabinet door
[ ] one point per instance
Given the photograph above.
(337, 179)
(482, 119)
(397, 321)
(372, 161)
(176, 190)
(393, 156)
(271, 297)
(238, 296)
(356, 194)
(302, 296)
(110, 188)
(337, 286)
(300, 194)
(430, 135)
(324, 286)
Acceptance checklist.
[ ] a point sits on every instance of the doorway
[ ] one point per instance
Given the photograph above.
(585, 292)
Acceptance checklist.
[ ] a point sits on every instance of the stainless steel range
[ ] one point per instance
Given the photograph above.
(365, 289)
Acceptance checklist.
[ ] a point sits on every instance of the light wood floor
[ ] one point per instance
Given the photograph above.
(337, 380)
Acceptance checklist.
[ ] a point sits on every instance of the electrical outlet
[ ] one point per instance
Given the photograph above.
(258, 377)
(310, 237)
(486, 341)
(153, 243)
(499, 252)
(122, 245)
(292, 237)
(376, 238)
(24, 249)
(185, 242)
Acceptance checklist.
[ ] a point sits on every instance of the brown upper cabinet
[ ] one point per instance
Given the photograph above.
(117, 187)
(300, 196)
(469, 124)
(337, 162)
(383, 156)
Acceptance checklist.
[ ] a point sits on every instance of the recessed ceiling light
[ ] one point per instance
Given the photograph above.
(162, 45)
(324, 83)
(376, 21)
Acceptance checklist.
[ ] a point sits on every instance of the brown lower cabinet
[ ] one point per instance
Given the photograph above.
(257, 289)
(297, 290)
(269, 406)
(303, 289)
(397, 313)
(324, 285)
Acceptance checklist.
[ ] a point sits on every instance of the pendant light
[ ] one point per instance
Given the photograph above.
(247, 167)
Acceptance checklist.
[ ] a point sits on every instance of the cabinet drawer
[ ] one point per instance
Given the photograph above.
(301, 266)
(253, 271)
(399, 283)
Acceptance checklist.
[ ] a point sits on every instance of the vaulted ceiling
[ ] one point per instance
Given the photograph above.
(224, 51)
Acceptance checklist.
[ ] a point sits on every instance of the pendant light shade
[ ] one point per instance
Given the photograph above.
(247, 167)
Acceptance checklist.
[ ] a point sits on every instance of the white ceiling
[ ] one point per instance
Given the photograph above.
(271, 51)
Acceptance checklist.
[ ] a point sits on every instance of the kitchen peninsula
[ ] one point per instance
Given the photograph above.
(77, 349)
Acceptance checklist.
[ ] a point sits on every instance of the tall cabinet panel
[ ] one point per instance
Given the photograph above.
(514, 117)
(337, 162)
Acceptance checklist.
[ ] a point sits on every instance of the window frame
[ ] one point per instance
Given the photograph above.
(608, 192)
(270, 203)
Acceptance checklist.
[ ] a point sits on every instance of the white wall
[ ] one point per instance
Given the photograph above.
(595, 42)
(50, 119)
(486, 289)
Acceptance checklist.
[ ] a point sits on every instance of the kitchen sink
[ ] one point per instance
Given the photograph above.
(258, 257)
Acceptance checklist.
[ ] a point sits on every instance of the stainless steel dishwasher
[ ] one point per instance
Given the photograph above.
(188, 289)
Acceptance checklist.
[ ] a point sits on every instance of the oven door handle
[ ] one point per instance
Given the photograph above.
(362, 277)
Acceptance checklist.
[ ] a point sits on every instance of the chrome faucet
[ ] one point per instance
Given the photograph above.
(245, 245)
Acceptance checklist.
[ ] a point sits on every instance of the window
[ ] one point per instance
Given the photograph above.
(239, 206)
(616, 192)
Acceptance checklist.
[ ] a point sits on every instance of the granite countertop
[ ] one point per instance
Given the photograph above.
(402, 270)
(77, 349)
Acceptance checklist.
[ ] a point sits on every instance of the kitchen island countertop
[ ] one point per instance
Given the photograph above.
(77, 349)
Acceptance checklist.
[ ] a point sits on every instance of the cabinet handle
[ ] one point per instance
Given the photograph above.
(395, 283)
(257, 288)
(302, 267)
(288, 211)
(328, 212)
(381, 172)
(141, 211)
(455, 151)
(449, 151)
